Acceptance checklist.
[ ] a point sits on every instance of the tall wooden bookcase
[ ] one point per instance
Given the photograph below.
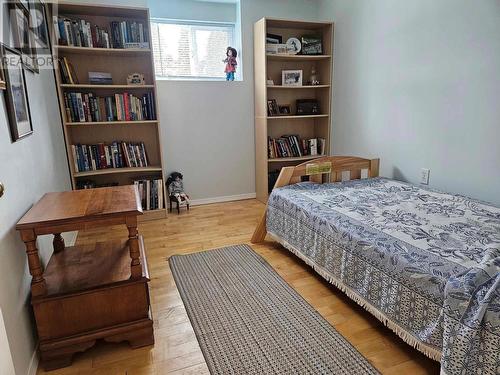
(269, 66)
(120, 63)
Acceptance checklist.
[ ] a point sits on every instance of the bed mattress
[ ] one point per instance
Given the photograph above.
(426, 263)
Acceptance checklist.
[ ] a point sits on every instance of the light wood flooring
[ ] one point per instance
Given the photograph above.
(176, 350)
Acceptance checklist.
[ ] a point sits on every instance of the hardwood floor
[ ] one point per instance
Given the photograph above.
(176, 350)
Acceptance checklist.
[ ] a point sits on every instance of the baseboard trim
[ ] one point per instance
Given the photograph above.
(228, 198)
(33, 367)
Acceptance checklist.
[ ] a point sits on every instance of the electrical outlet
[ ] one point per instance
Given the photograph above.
(424, 176)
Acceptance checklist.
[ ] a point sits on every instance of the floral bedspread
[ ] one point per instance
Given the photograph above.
(424, 262)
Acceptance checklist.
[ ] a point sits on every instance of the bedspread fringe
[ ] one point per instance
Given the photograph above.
(407, 337)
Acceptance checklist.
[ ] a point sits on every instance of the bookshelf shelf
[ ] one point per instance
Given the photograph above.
(106, 87)
(119, 62)
(103, 51)
(297, 57)
(112, 123)
(118, 170)
(290, 134)
(280, 87)
(302, 158)
(2, 85)
(296, 117)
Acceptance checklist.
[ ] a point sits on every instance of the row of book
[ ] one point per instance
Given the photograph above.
(289, 146)
(68, 74)
(115, 155)
(86, 107)
(129, 34)
(151, 193)
(81, 33)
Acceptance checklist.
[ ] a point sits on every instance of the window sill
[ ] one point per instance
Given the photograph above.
(189, 79)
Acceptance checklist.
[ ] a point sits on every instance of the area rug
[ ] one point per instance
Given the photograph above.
(248, 320)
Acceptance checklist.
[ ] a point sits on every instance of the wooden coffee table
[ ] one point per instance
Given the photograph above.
(91, 291)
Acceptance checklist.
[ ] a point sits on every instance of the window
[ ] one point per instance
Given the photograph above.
(190, 49)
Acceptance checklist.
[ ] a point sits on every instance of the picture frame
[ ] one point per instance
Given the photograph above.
(292, 77)
(23, 37)
(312, 45)
(16, 93)
(38, 23)
(272, 107)
(2, 79)
(285, 109)
(274, 39)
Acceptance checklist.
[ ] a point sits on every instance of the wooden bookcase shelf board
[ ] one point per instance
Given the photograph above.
(106, 87)
(118, 170)
(281, 160)
(120, 63)
(295, 117)
(269, 66)
(2, 85)
(101, 51)
(298, 57)
(281, 87)
(112, 123)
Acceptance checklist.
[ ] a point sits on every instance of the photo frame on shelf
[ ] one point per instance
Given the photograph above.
(38, 23)
(274, 39)
(291, 77)
(16, 94)
(272, 107)
(24, 40)
(285, 109)
(312, 45)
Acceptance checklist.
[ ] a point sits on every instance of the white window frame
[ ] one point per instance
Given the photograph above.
(169, 21)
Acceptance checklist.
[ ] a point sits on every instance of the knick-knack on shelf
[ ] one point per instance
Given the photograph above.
(314, 79)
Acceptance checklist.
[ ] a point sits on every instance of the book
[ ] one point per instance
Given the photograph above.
(150, 193)
(88, 107)
(292, 146)
(100, 78)
(114, 155)
(79, 32)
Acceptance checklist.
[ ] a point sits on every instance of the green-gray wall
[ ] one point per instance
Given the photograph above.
(417, 83)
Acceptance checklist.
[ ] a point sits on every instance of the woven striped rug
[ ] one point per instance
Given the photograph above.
(248, 320)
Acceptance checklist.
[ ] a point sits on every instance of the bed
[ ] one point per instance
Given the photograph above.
(425, 263)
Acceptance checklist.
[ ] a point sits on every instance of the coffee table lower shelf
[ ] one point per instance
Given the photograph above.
(90, 296)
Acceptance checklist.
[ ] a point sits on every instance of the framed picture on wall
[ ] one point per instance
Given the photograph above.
(38, 23)
(24, 40)
(2, 80)
(16, 94)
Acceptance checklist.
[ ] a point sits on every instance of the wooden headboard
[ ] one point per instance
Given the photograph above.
(325, 169)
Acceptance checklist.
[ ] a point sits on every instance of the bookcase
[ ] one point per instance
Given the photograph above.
(140, 127)
(269, 66)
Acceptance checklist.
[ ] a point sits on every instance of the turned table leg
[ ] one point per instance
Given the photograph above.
(38, 285)
(133, 243)
(58, 243)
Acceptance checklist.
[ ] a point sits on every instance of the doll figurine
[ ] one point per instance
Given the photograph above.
(176, 191)
(231, 63)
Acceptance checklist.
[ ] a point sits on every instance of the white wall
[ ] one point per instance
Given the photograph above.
(28, 169)
(193, 10)
(417, 83)
(208, 127)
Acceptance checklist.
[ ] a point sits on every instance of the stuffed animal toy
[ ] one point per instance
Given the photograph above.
(176, 192)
